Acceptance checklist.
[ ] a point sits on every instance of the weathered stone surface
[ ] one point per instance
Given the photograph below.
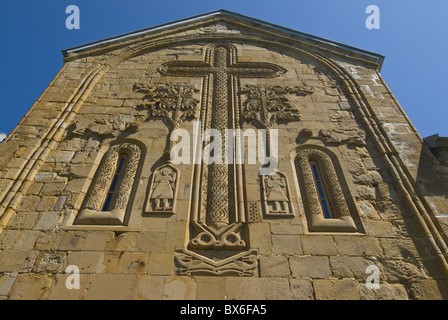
(336, 289)
(301, 289)
(179, 288)
(112, 287)
(310, 267)
(258, 289)
(17, 260)
(241, 234)
(28, 286)
(274, 266)
(318, 245)
(386, 291)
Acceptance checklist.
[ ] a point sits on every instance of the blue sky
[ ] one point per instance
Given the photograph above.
(413, 36)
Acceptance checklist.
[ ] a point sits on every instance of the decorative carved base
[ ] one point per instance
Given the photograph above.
(190, 263)
(226, 238)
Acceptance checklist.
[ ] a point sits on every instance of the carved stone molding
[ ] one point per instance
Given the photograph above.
(191, 263)
(253, 212)
(276, 195)
(91, 211)
(163, 190)
(342, 221)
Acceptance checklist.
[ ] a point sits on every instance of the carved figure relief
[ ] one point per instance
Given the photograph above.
(342, 220)
(173, 103)
(163, 190)
(276, 195)
(92, 209)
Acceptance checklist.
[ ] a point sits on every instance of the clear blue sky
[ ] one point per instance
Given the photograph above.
(413, 36)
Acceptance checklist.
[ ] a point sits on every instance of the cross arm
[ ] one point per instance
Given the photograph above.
(256, 70)
(185, 68)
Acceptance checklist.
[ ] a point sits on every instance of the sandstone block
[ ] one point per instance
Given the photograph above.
(258, 289)
(179, 288)
(301, 289)
(274, 266)
(17, 260)
(112, 287)
(336, 289)
(310, 267)
(287, 244)
(160, 264)
(30, 287)
(318, 245)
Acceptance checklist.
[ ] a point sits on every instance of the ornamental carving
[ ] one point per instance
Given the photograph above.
(342, 220)
(163, 190)
(173, 103)
(266, 105)
(218, 210)
(92, 209)
(242, 264)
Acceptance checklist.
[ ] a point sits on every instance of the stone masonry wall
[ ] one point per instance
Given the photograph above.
(39, 240)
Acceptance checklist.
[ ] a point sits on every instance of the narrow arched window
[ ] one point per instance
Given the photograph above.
(321, 190)
(119, 168)
(107, 200)
(325, 204)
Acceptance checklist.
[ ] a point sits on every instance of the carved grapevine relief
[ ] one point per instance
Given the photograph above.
(173, 102)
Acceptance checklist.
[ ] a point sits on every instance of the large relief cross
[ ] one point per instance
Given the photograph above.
(218, 197)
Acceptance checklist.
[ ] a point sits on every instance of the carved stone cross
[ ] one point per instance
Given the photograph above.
(221, 65)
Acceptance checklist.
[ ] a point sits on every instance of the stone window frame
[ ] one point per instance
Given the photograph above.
(343, 206)
(90, 212)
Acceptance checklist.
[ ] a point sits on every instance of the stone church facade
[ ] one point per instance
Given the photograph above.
(93, 204)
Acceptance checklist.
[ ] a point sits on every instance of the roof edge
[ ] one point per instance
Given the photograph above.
(379, 58)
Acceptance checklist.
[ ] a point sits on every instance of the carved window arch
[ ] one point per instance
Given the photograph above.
(107, 200)
(316, 169)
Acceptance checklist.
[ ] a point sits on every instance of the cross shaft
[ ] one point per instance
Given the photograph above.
(220, 68)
